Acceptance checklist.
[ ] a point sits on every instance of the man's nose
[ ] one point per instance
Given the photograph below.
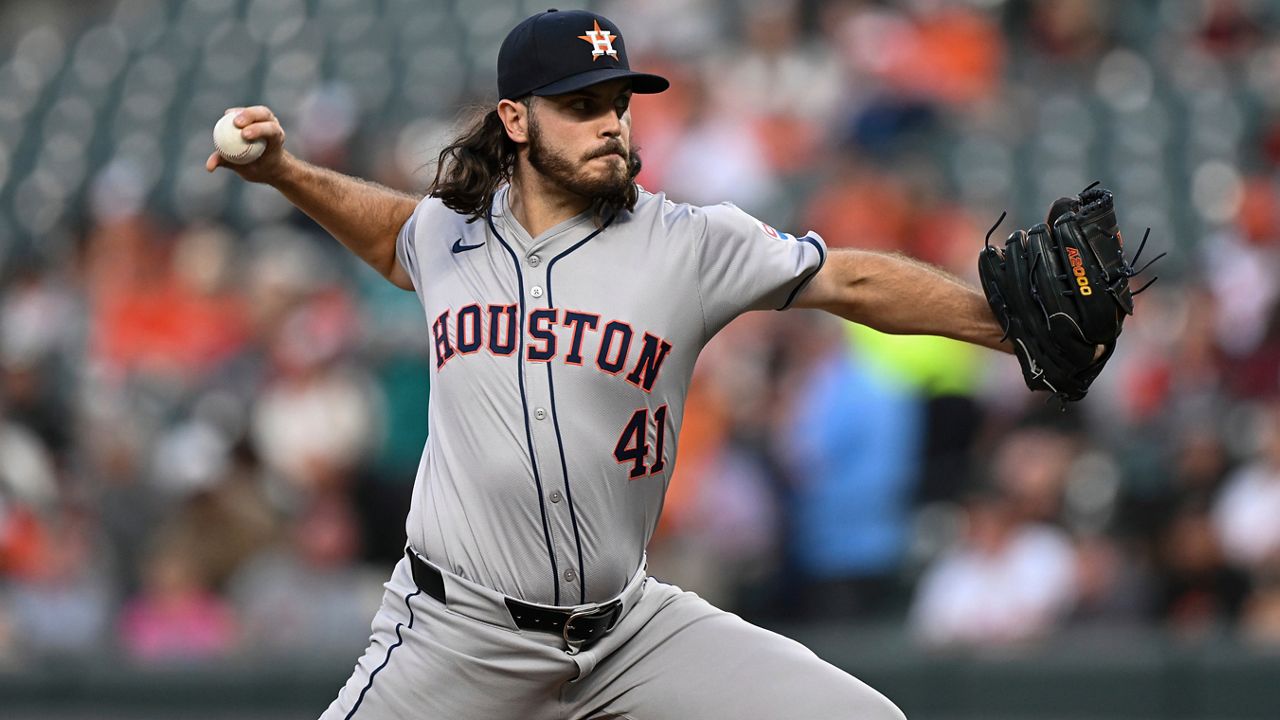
(611, 127)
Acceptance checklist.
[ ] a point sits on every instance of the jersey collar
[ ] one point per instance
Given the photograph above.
(516, 232)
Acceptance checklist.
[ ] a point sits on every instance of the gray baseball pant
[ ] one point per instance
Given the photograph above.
(672, 656)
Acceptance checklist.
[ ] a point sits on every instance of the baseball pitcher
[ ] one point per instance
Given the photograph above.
(566, 307)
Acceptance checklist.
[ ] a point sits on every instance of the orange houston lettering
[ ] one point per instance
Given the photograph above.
(1077, 269)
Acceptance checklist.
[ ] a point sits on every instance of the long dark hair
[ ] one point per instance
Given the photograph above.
(470, 170)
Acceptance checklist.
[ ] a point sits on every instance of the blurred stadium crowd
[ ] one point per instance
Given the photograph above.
(210, 415)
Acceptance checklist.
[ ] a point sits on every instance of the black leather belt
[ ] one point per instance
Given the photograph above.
(578, 626)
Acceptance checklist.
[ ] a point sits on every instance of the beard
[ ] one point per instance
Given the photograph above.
(613, 189)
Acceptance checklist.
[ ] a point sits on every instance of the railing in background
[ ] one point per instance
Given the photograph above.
(1112, 675)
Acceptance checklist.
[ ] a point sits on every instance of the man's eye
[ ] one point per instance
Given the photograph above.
(580, 105)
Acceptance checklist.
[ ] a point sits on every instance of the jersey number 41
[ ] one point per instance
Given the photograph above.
(633, 445)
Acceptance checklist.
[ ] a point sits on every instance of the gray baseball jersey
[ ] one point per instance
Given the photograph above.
(561, 365)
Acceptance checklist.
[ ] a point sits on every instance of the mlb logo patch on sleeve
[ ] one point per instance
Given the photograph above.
(773, 233)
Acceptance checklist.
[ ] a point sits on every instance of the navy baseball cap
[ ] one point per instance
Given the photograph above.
(557, 52)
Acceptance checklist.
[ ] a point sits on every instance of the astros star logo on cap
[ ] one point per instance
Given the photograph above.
(543, 55)
(601, 42)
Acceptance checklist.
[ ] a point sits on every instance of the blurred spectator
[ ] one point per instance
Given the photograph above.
(1242, 266)
(1068, 31)
(1158, 491)
(859, 206)
(943, 376)
(935, 52)
(1246, 518)
(327, 118)
(309, 594)
(1030, 467)
(222, 524)
(717, 158)
(1261, 622)
(315, 419)
(1112, 587)
(40, 323)
(1201, 464)
(176, 616)
(1257, 375)
(1167, 370)
(61, 606)
(1199, 592)
(721, 526)
(787, 86)
(159, 308)
(38, 315)
(1009, 581)
(114, 476)
(28, 496)
(854, 451)
(1230, 27)
(27, 475)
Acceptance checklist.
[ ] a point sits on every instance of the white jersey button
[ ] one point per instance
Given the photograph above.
(540, 413)
(534, 260)
(535, 291)
(556, 496)
(570, 575)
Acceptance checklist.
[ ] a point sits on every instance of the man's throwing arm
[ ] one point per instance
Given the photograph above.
(363, 216)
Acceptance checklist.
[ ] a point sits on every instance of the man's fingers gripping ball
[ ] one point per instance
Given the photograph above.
(228, 138)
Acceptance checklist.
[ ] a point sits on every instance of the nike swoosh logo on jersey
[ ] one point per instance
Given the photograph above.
(459, 247)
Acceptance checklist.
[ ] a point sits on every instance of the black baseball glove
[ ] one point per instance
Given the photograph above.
(1061, 292)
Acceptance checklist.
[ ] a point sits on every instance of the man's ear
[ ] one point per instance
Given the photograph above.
(515, 118)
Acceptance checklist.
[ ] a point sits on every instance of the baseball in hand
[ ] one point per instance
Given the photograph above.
(231, 144)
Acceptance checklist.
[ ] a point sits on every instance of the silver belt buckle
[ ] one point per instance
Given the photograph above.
(575, 646)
